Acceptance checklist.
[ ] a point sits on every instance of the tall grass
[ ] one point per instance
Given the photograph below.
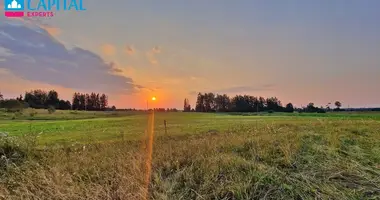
(319, 160)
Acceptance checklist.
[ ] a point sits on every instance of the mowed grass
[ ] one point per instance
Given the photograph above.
(200, 156)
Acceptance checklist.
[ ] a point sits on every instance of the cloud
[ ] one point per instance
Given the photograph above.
(33, 54)
(54, 31)
(117, 70)
(130, 50)
(156, 50)
(242, 89)
(108, 49)
(196, 78)
(238, 89)
(113, 67)
(151, 55)
(129, 70)
(16, 85)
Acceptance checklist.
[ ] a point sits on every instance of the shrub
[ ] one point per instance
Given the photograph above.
(32, 113)
(51, 109)
(26, 105)
(18, 114)
(12, 105)
(321, 111)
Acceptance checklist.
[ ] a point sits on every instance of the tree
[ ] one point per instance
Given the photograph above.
(36, 98)
(274, 104)
(199, 107)
(12, 105)
(97, 102)
(94, 101)
(75, 105)
(222, 103)
(52, 99)
(64, 105)
(262, 104)
(1, 97)
(328, 107)
(82, 102)
(338, 105)
(103, 102)
(239, 104)
(310, 108)
(289, 108)
(250, 103)
(209, 102)
(321, 110)
(19, 98)
(88, 102)
(186, 106)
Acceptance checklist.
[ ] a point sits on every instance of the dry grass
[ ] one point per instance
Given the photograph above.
(286, 160)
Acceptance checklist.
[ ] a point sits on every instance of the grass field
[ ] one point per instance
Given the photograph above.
(100, 155)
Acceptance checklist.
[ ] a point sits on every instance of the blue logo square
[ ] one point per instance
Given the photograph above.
(13, 5)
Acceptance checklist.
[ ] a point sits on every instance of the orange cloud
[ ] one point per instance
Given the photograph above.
(15, 85)
(108, 49)
(130, 71)
(54, 31)
(115, 68)
(156, 49)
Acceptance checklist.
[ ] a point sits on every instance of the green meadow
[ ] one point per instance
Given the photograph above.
(101, 155)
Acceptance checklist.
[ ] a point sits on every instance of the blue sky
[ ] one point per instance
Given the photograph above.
(300, 51)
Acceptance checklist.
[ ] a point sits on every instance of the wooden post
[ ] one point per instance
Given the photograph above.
(165, 127)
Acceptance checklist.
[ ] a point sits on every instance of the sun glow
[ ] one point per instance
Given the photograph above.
(153, 98)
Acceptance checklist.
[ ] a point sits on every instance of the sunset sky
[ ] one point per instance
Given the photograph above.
(299, 51)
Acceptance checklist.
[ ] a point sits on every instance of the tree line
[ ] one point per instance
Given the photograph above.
(210, 102)
(41, 99)
(91, 101)
(165, 110)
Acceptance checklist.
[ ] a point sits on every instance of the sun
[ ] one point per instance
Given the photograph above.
(153, 98)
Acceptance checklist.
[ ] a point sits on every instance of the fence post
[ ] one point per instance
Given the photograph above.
(165, 127)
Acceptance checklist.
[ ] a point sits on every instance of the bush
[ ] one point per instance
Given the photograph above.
(14, 151)
(321, 111)
(32, 113)
(18, 114)
(51, 109)
(26, 105)
(12, 105)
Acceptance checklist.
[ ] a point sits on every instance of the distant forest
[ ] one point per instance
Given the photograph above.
(210, 102)
(40, 99)
(207, 102)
